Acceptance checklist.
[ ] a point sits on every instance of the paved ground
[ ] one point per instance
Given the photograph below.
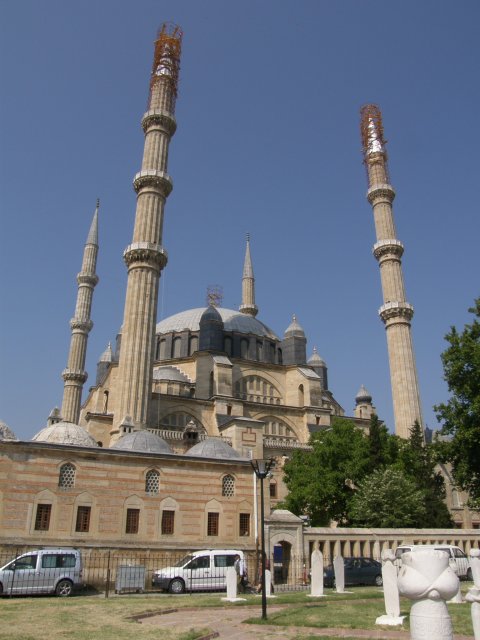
(228, 623)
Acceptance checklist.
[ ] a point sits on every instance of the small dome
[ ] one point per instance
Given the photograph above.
(65, 433)
(143, 441)
(213, 448)
(107, 355)
(211, 315)
(294, 329)
(315, 360)
(6, 433)
(363, 396)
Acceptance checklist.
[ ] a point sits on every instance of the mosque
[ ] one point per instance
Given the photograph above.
(158, 454)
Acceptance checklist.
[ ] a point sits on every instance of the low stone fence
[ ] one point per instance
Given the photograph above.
(371, 542)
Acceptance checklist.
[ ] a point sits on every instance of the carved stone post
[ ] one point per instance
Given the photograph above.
(390, 591)
(427, 578)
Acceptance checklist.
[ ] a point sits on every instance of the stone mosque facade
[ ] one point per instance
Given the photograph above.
(158, 455)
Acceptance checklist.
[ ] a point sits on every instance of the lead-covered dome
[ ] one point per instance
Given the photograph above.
(65, 433)
(213, 448)
(233, 321)
(142, 441)
(5, 432)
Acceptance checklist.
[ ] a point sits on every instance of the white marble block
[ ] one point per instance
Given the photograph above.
(427, 579)
(339, 569)
(390, 591)
(316, 584)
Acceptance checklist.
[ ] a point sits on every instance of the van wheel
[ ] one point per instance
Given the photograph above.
(469, 575)
(64, 588)
(379, 581)
(177, 585)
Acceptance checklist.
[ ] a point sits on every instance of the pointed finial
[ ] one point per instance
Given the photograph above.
(93, 233)
(98, 203)
(248, 237)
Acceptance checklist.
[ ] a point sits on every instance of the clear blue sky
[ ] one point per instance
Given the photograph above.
(268, 143)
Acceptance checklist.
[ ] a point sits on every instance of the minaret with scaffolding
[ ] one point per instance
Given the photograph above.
(145, 257)
(396, 312)
(74, 375)
(248, 305)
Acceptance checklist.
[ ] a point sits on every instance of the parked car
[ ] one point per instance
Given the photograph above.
(57, 571)
(357, 571)
(458, 559)
(198, 571)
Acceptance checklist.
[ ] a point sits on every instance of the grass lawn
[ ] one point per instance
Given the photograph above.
(91, 617)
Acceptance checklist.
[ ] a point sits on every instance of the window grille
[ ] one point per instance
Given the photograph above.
(168, 522)
(228, 486)
(83, 519)
(42, 517)
(152, 482)
(244, 521)
(66, 478)
(133, 519)
(212, 527)
(273, 490)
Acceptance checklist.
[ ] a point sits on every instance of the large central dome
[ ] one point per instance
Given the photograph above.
(234, 321)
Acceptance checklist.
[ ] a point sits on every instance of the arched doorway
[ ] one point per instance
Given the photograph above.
(282, 552)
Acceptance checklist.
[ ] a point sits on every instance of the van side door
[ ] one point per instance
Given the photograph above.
(25, 577)
(221, 562)
(197, 573)
(462, 562)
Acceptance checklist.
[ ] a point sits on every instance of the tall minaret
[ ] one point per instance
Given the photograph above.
(395, 312)
(74, 375)
(145, 257)
(248, 305)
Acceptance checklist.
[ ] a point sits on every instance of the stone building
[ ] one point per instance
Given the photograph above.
(157, 456)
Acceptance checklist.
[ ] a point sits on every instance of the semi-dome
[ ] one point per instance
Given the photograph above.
(213, 448)
(142, 441)
(6, 433)
(172, 374)
(65, 433)
(233, 321)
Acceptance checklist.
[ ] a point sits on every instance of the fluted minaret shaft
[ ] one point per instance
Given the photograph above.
(396, 312)
(74, 375)
(248, 305)
(145, 257)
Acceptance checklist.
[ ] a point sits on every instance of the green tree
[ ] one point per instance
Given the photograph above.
(383, 447)
(321, 482)
(388, 498)
(418, 460)
(460, 416)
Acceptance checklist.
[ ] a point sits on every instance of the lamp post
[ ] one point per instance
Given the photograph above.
(262, 469)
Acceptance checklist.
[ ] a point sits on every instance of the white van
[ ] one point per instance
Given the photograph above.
(57, 571)
(200, 570)
(458, 559)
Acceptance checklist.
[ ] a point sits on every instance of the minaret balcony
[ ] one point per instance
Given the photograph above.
(90, 280)
(81, 326)
(391, 311)
(381, 193)
(145, 253)
(155, 119)
(390, 247)
(75, 375)
(153, 179)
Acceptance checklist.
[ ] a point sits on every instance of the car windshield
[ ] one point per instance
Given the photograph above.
(183, 561)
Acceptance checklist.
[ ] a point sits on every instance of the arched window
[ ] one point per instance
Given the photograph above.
(301, 396)
(161, 350)
(152, 482)
(192, 345)
(176, 348)
(66, 477)
(228, 486)
(227, 345)
(243, 348)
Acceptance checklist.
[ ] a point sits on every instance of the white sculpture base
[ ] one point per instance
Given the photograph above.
(391, 621)
(234, 599)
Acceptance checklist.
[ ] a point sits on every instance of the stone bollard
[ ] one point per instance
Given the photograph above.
(390, 591)
(232, 586)
(339, 569)
(427, 578)
(316, 584)
(473, 594)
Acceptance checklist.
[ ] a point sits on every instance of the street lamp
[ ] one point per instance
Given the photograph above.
(262, 469)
